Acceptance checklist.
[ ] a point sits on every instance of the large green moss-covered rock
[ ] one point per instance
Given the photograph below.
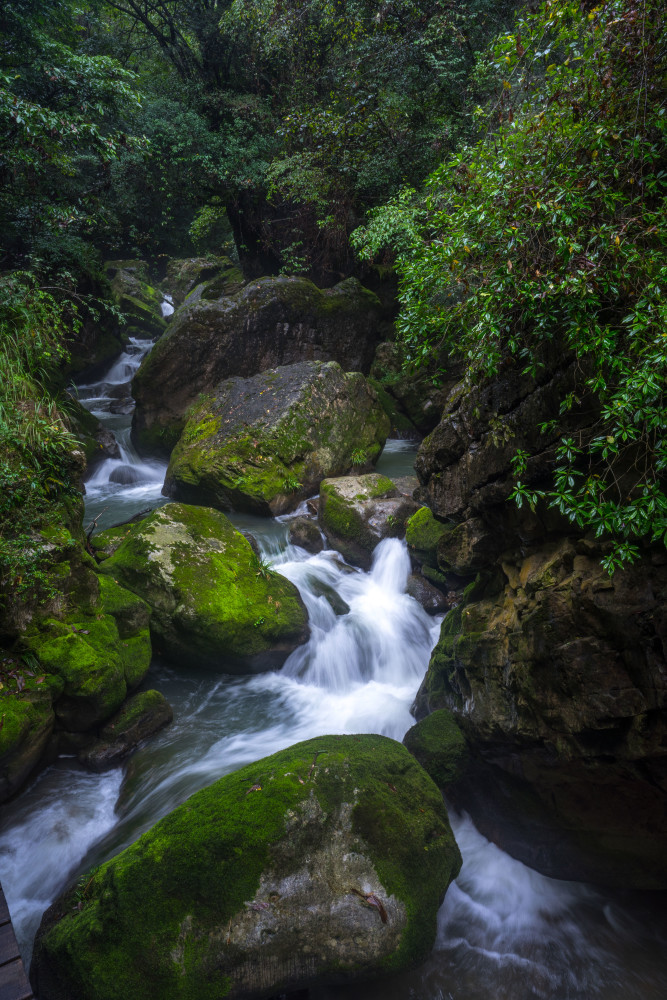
(264, 443)
(357, 512)
(213, 602)
(326, 862)
(271, 322)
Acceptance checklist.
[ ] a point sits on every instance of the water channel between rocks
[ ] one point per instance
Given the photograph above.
(504, 931)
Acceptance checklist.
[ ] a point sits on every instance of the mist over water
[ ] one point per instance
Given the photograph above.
(504, 932)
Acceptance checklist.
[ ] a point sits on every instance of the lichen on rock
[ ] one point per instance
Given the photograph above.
(357, 512)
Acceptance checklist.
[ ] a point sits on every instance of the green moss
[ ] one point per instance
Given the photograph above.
(246, 449)
(132, 713)
(422, 534)
(211, 597)
(155, 918)
(131, 614)
(439, 746)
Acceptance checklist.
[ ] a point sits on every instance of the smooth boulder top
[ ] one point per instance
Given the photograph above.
(325, 862)
(214, 603)
(271, 322)
(262, 444)
(357, 512)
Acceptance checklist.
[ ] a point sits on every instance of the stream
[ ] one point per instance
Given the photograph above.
(504, 931)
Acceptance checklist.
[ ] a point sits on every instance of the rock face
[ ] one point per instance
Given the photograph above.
(262, 444)
(271, 322)
(555, 672)
(357, 512)
(213, 602)
(324, 863)
(136, 297)
(186, 274)
(141, 716)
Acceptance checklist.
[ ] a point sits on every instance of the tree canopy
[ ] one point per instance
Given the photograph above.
(551, 231)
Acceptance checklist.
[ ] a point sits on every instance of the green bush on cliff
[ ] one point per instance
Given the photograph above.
(548, 237)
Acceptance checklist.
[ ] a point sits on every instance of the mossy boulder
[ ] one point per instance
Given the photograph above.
(270, 322)
(439, 746)
(213, 602)
(96, 666)
(262, 444)
(141, 716)
(139, 300)
(357, 512)
(217, 274)
(323, 863)
(27, 719)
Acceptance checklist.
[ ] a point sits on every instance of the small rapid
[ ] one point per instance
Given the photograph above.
(120, 487)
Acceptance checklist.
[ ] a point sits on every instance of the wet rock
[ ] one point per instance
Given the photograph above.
(27, 723)
(430, 597)
(325, 863)
(141, 716)
(335, 601)
(124, 475)
(215, 273)
(98, 442)
(556, 673)
(135, 296)
(439, 746)
(422, 534)
(304, 532)
(558, 682)
(214, 604)
(357, 512)
(265, 443)
(271, 322)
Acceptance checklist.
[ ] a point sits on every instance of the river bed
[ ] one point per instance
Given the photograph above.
(504, 932)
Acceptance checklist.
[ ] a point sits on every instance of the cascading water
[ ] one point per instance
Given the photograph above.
(504, 932)
(120, 487)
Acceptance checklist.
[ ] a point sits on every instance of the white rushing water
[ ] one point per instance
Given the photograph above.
(504, 932)
(120, 487)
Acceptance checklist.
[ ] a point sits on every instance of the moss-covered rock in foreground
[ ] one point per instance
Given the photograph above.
(357, 512)
(325, 862)
(214, 603)
(264, 443)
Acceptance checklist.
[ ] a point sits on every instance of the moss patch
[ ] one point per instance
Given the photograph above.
(422, 533)
(439, 746)
(213, 602)
(263, 443)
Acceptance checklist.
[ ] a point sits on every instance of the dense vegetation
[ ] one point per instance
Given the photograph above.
(548, 238)
(146, 128)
